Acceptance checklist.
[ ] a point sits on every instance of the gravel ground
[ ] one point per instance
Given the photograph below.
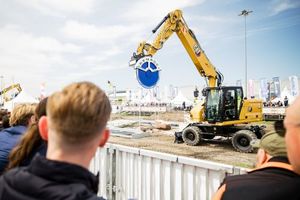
(219, 151)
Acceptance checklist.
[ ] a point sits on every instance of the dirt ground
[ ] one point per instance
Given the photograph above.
(163, 141)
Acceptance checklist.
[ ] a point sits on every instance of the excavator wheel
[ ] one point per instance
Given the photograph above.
(241, 141)
(191, 135)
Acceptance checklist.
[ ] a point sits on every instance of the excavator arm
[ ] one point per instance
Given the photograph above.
(11, 87)
(174, 22)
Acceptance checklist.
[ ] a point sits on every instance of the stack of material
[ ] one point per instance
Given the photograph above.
(162, 125)
(124, 128)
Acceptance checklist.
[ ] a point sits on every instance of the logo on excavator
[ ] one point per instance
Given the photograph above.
(197, 49)
(147, 72)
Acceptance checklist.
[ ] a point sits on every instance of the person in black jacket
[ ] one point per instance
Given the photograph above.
(273, 178)
(75, 126)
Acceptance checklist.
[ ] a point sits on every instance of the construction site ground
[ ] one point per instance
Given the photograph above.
(219, 150)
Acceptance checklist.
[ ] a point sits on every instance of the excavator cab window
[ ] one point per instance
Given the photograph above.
(240, 96)
(229, 102)
(223, 103)
(212, 111)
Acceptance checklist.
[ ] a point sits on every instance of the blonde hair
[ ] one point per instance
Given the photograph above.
(79, 112)
(21, 114)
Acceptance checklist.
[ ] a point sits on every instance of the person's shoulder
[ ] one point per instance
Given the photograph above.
(9, 176)
(12, 173)
(14, 130)
(4, 132)
(297, 180)
(17, 129)
(236, 177)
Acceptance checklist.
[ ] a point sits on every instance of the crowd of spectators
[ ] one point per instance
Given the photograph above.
(273, 103)
(46, 151)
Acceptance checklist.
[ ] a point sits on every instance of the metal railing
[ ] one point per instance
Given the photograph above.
(133, 173)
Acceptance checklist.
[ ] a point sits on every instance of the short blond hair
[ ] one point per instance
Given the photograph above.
(79, 112)
(21, 114)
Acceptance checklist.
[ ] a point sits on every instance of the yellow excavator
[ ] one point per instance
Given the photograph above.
(225, 111)
(9, 88)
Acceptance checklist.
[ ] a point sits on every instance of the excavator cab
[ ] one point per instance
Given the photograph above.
(222, 103)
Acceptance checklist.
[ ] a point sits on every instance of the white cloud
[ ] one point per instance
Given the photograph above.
(56, 7)
(99, 57)
(13, 39)
(153, 10)
(203, 19)
(99, 34)
(280, 6)
(32, 58)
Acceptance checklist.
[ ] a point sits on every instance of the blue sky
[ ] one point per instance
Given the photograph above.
(60, 41)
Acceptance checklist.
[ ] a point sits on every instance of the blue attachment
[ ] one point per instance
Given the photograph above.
(147, 74)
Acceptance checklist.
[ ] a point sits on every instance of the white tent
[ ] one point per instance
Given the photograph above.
(149, 98)
(179, 99)
(23, 97)
(165, 99)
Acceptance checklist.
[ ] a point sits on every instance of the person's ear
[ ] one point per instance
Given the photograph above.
(32, 120)
(261, 157)
(43, 128)
(104, 137)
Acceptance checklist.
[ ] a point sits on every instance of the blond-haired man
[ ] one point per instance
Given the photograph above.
(20, 118)
(292, 137)
(75, 127)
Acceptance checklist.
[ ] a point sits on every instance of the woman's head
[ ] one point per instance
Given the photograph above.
(21, 114)
(30, 141)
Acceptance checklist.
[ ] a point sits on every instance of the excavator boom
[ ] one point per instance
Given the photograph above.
(11, 87)
(174, 22)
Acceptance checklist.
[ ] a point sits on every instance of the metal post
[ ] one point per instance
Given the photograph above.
(114, 91)
(245, 13)
(1, 88)
(141, 91)
(246, 69)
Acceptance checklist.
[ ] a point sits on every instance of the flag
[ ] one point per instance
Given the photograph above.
(264, 88)
(294, 85)
(250, 88)
(276, 82)
(43, 92)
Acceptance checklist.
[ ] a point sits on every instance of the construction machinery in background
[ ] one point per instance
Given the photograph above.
(225, 111)
(4, 93)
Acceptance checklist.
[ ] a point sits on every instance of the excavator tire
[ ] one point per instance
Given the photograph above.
(241, 141)
(191, 135)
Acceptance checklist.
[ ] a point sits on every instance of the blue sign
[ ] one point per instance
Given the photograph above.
(147, 72)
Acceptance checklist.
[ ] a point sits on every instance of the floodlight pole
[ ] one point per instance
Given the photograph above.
(245, 13)
(1, 88)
